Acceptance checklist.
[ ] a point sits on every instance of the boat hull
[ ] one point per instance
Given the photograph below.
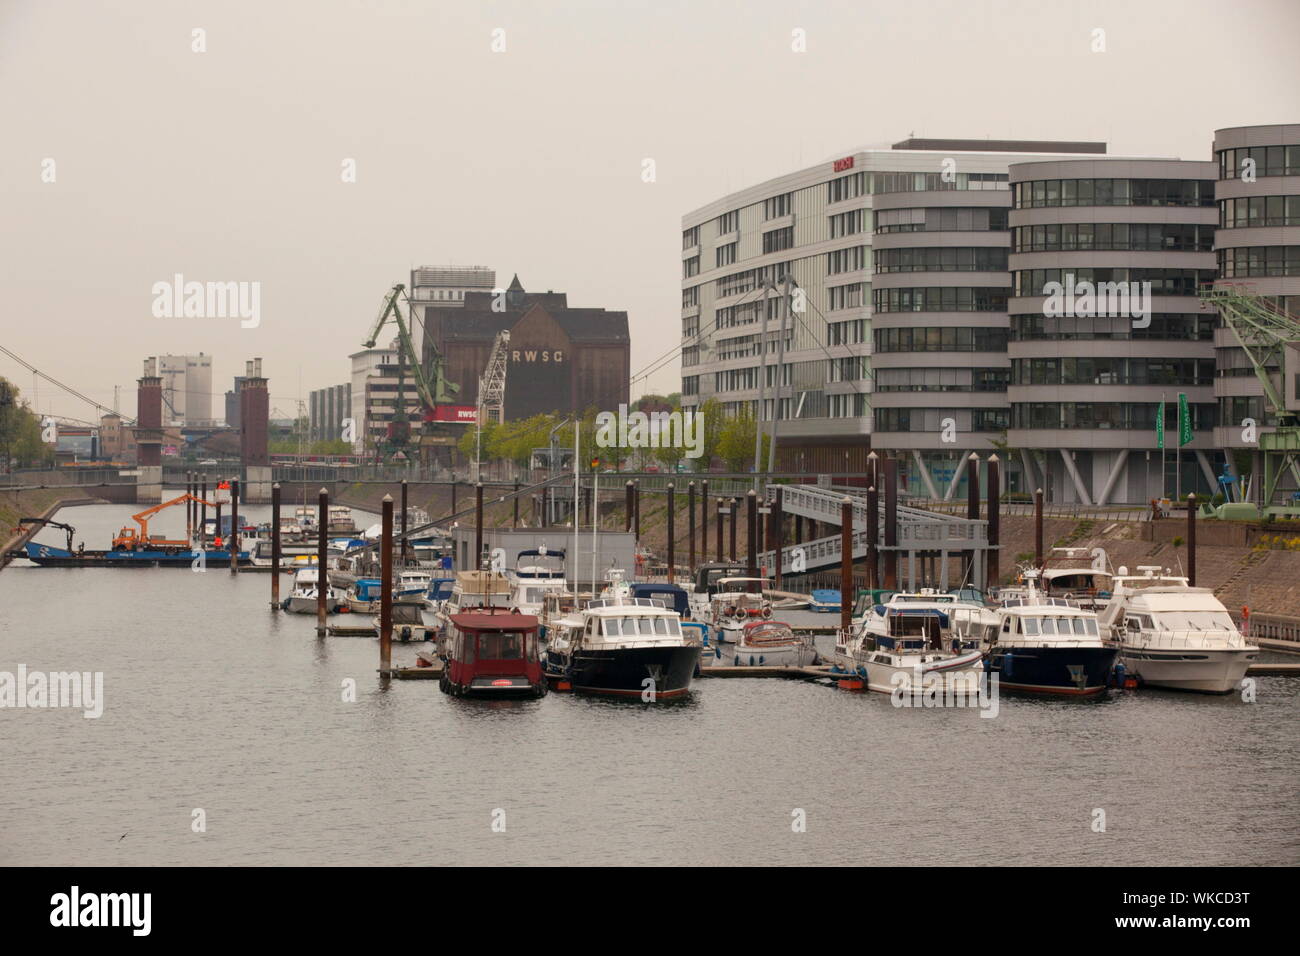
(1070, 671)
(1202, 670)
(953, 673)
(623, 673)
(797, 654)
(50, 557)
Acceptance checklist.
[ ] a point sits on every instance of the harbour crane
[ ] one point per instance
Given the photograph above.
(1270, 337)
(433, 388)
(128, 540)
(44, 522)
(491, 394)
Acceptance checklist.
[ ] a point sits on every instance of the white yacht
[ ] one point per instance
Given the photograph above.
(910, 636)
(1174, 635)
(473, 589)
(1078, 575)
(538, 574)
(412, 587)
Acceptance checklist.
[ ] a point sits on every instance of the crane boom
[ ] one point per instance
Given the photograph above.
(127, 536)
(434, 390)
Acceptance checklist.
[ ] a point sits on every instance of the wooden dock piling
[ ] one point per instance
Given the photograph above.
(993, 573)
(776, 526)
(846, 564)
(1191, 539)
(718, 522)
(516, 501)
(627, 506)
(404, 513)
(751, 533)
(478, 523)
(322, 560)
(275, 546)
(873, 537)
(234, 526)
(636, 510)
(690, 521)
(386, 586)
(891, 523)
(1038, 527)
(203, 513)
(672, 543)
(973, 513)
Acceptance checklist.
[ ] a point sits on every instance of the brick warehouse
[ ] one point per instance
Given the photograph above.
(561, 359)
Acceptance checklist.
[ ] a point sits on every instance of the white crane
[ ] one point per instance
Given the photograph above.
(491, 394)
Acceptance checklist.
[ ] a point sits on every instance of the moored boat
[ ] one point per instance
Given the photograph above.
(490, 653)
(767, 644)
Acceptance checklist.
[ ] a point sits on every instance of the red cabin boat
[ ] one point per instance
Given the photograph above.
(493, 655)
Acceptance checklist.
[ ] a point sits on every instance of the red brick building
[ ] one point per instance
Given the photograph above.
(561, 359)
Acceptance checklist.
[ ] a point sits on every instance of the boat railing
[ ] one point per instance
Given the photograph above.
(1193, 638)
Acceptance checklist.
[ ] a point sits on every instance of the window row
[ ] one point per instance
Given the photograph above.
(1113, 192)
(851, 332)
(940, 220)
(937, 182)
(729, 222)
(777, 206)
(934, 339)
(851, 368)
(941, 379)
(974, 259)
(853, 259)
(1260, 160)
(1163, 281)
(690, 267)
(725, 255)
(850, 223)
(690, 237)
(1124, 416)
(1176, 326)
(931, 419)
(1245, 261)
(750, 279)
(1141, 237)
(1112, 371)
(846, 187)
(1259, 211)
(962, 299)
(690, 297)
(852, 296)
(778, 239)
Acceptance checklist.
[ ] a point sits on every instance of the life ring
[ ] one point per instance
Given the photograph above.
(767, 612)
(730, 610)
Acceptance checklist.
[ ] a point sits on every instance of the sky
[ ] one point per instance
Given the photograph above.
(228, 164)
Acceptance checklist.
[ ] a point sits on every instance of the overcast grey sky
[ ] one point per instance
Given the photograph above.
(226, 164)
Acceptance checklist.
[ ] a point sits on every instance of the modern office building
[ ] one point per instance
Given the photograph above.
(1258, 247)
(900, 259)
(1107, 259)
(327, 409)
(366, 364)
(187, 389)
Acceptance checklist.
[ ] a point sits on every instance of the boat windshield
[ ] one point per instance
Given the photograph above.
(1195, 621)
(1060, 626)
(504, 646)
(642, 627)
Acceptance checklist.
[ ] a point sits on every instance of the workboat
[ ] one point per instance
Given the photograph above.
(824, 600)
(50, 556)
(737, 601)
(1173, 635)
(767, 644)
(303, 598)
(492, 653)
(1077, 575)
(538, 573)
(623, 645)
(1040, 645)
(906, 644)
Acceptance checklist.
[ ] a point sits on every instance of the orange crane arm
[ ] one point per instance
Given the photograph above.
(142, 519)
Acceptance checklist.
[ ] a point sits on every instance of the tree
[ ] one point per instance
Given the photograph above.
(20, 431)
(736, 444)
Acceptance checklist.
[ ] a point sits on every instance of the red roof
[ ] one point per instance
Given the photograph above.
(478, 621)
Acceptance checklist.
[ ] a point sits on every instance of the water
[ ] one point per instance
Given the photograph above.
(213, 702)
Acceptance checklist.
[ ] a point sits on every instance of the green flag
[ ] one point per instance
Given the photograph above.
(1160, 425)
(1184, 420)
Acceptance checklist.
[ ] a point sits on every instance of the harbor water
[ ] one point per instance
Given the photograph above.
(218, 710)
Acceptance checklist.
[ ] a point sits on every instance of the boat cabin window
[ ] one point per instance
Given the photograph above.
(501, 646)
(1006, 626)
(1030, 626)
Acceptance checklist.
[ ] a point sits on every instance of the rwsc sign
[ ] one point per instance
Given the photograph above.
(537, 356)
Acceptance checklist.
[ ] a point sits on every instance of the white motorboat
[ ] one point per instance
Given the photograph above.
(412, 587)
(302, 599)
(340, 520)
(408, 624)
(767, 644)
(538, 574)
(736, 602)
(907, 644)
(1173, 635)
(1077, 575)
